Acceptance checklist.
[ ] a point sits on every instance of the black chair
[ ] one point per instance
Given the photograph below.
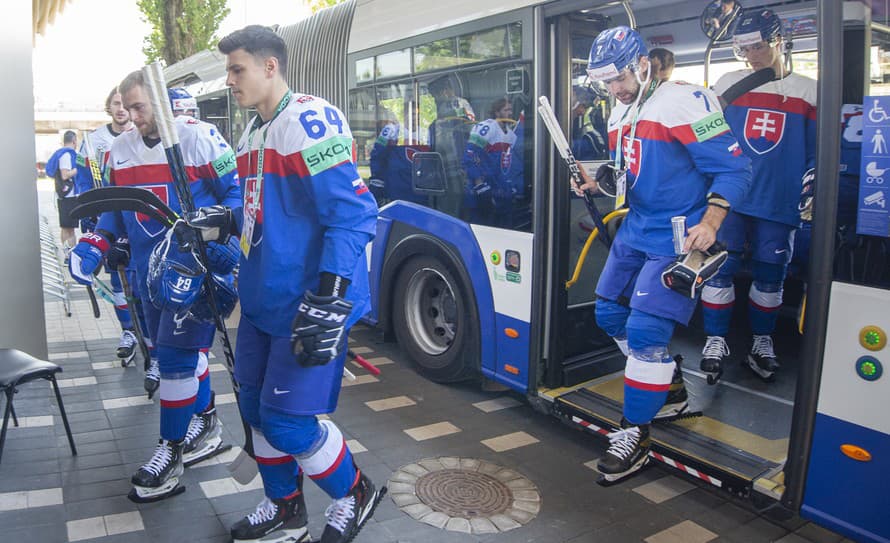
(18, 368)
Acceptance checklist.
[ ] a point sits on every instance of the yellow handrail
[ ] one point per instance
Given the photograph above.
(583, 256)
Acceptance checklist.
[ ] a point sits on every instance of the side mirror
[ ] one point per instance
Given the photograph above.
(718, 17)
(427, 173)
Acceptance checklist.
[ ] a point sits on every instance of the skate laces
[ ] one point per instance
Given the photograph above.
(128, 339)
(622, 442)
(159, 459)
(340, 512)
(763, 346)
(265, 512)
(196, 426)
(154, 371)
(715, 347)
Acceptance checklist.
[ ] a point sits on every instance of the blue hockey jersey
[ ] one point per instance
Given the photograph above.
(776, 126)
(392, 163)
(313, 213)
(210, 166)
(682, 149)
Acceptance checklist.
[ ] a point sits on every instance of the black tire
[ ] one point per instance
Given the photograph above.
(435, 320)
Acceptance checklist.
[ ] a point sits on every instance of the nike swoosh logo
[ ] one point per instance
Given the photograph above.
(642, 293)
(178, 332)
(780, 251)
(238, 150)
(119, 162)
(278, 392)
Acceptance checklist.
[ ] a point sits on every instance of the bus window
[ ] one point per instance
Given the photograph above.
(363, 122)
(396, 142)
(498, 191)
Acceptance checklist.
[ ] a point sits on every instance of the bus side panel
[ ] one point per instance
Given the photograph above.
(375, 252)
(512, 367)
(844, 494)
(458, 235)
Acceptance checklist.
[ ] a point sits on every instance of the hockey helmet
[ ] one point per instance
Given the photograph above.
(584, 96)
(181, 101)
(222, 258)
(612, 51)
(175, 276)
(755, 26)
(225, 294)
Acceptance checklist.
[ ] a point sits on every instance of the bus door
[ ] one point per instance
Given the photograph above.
(577, 349)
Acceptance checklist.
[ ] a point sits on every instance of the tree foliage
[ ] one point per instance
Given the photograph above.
(316, 5)
(180, 28)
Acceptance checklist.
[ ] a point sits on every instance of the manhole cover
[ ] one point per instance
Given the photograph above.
(465, 495)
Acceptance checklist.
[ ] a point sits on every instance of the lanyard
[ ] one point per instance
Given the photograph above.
(619, 153)
(258, 187)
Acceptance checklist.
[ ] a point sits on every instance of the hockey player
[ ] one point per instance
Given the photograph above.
(391, 164)
(493, 179)
(776, 127)
(588, 125)
(99, 143)
(303, 282)
(189, 426)
(676, 157)
(61, 167)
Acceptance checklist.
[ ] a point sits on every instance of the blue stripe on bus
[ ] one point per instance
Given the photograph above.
(844, 494)
(384, 225)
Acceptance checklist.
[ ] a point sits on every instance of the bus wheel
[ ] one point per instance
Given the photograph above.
(434, 322)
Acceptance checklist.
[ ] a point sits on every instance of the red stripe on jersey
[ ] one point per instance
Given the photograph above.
(158, 173)
(639, 385)
(777, 102)
(497, 147)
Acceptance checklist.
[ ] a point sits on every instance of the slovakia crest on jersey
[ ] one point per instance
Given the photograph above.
(764, 129)
(150, 227)
(633, 154)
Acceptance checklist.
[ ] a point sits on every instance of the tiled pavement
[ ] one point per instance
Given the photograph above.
(46, 495)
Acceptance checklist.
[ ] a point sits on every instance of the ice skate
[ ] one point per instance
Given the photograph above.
(712, 358)
(677, 403)
(347, 515)
(628, 452)
(126, 349)
(203, 439)
(762, 358)
(275, 521)
(152, 377)
(159, 477)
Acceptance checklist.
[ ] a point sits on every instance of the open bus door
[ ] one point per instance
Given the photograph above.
(578, 350)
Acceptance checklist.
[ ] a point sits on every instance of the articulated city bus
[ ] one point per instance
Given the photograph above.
(482, 293)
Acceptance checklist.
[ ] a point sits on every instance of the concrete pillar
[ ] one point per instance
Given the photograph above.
(22, 324)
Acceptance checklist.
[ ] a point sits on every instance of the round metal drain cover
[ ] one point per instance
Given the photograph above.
(465, 495)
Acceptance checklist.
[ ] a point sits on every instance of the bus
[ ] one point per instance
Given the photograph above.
(476, 292)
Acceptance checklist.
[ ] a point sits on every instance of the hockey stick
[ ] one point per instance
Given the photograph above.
(93, 302)
(157, 90)
(746, 84)
(565, 151)
(374, 370)
(134, 313)
(131, 193)
(94, 173)
(91, 209)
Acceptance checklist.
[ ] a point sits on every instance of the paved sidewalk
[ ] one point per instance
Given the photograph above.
(391, 421)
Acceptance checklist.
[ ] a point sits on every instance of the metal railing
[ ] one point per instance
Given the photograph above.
(51, 269)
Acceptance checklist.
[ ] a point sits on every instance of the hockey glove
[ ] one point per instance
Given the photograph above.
(223, 257)
(689, 273)
(119, 254)
(605, 180)
(86, 257)
(807, 185)
(216, 223)
(319, 329)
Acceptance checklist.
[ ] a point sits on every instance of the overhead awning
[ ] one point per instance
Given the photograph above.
(44, 13)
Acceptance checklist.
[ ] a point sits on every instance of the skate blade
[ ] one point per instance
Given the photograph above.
(368, 514)
(141, 494)
(609, 479)
(293, 535)
(766, 375)
(672, 411)
(206, 453)
(685, 414)
(127, 361)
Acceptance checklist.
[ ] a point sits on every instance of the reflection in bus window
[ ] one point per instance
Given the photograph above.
(588, 125)
(494, 164)
(447, 119)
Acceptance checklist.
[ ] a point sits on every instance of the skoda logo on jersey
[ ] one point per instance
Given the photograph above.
(633, 154)
(150, 226)
(764, 129)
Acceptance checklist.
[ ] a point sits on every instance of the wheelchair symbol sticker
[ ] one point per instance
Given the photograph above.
(877, 114)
